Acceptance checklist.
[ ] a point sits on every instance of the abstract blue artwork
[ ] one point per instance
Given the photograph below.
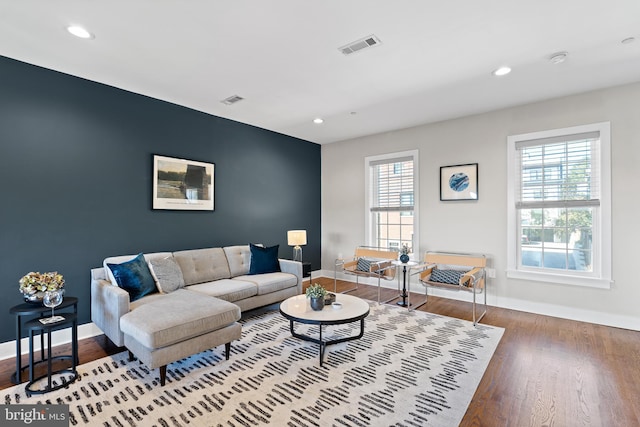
(459, 182)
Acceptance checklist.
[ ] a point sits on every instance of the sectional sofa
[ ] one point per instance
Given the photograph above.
(169, 305)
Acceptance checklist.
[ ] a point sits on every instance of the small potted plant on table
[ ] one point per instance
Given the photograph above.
(317, 294)
(404, 254)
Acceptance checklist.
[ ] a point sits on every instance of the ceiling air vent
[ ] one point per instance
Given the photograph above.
(358, 45)
(232, 100)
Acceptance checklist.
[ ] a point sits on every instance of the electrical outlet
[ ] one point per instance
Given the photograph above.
(491, 273)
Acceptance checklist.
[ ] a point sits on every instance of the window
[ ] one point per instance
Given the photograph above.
(560, 206)
(406, 199)
(391, 182)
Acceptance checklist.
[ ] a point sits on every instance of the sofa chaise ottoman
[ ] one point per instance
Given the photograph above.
(166, 330)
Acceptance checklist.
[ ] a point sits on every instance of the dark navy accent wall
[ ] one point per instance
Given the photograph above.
(76, 161)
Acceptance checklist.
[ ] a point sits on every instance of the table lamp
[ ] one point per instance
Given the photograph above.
(296, 238)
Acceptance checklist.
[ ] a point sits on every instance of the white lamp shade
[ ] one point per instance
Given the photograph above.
(296, 237)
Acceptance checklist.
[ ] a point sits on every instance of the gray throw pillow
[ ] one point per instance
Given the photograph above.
(364, 264)
(167, 274)
(451, 277)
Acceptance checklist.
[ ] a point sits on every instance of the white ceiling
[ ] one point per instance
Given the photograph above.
(282, 56)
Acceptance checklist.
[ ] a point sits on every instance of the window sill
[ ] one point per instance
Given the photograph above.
(560, 279)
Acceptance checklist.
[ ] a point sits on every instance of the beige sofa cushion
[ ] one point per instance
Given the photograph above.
(144, 300)
(239, 259)
(270, 282)
(177, 317)
(202, 265)
(226, 289)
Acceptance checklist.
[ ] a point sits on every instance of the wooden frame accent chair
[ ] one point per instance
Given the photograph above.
(367, 262)
(455, 271)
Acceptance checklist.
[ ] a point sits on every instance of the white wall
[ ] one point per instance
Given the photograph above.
(480, 226)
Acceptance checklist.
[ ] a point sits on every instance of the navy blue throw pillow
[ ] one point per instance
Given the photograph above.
(134, 277)
(264, 260)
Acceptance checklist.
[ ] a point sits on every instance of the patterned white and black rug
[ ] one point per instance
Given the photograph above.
(409, 369)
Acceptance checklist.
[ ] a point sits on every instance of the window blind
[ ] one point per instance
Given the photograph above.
(558, 172)
(393, 185)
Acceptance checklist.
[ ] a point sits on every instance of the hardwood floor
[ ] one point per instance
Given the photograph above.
(545, 372)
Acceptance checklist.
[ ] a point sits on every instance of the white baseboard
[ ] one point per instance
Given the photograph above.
(88, 330)
(560, 311)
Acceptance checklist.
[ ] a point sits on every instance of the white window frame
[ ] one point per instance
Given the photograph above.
(601, 276)
(368, 230)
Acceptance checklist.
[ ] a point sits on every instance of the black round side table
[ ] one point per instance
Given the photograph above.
(35, 326)
(21, 311)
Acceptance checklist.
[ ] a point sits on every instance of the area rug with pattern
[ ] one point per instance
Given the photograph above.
(410, 368)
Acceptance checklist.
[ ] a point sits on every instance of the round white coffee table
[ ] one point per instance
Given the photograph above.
(298, 309)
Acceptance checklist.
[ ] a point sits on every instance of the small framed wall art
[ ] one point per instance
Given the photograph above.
(459, 182)
(182, 184)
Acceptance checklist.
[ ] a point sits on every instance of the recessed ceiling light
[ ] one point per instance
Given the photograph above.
(558, 57)
(318, 120)
(79, 32)
(502, 71)
(628, 40)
